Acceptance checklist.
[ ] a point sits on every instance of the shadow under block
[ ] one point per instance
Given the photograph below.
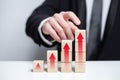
(52, 67)
(80, 34)
(38, 66)
(80, 67)
(66, 45)
(52, 55)
(66, 56)
(66, 67)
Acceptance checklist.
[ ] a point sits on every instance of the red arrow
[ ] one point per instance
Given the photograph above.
(52, 60)
(80, 38)
(66, 52)
(37, 66)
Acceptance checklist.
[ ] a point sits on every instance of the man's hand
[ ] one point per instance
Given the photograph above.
(59, 27)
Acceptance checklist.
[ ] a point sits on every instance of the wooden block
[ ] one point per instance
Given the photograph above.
(66, 56)
(52, 55)
(66, 67)
(52, 67)
(38, 65)
(80, 56)
(66, 45)
(80, 67)
(80, 46)
(80, 34)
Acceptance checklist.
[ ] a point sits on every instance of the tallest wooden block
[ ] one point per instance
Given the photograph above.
(80, 45)
(80, 40)
(80, 50)
(80, 35)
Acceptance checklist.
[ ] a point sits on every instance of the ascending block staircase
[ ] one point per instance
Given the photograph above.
(66, 56)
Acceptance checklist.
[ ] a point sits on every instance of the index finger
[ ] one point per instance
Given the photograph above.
(70, 15)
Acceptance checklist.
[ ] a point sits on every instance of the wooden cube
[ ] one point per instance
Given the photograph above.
(80, 35)
(66, 45)
(80, 56)
(80, 67)
(52, 55)
(38, 65)
(52, 67)
(66, 67)
(80, 46)
(66, 56)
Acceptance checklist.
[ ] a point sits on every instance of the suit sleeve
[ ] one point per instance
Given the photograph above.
(47, 9)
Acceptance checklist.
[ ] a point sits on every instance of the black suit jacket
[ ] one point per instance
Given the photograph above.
(109, 49)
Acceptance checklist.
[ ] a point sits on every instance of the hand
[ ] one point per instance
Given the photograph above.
(59, 27)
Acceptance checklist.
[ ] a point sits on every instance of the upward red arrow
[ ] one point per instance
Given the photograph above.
(66, 47)
(66, 52)
(52, 60)
(37, 66)
(80, 38)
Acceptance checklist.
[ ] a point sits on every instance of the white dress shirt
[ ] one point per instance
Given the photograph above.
(89, 4)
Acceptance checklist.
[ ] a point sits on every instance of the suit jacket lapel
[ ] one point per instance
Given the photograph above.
(82, 13)
(111, 17)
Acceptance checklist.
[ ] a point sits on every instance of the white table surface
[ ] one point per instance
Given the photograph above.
(95, 70)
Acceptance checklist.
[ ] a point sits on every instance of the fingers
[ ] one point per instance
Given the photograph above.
(70, 15)
(73, 27)
(67, 30)
(59, 27)
(47, 28)
(59, 18)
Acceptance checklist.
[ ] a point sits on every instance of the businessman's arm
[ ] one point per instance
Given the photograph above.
(59, 25)
(47, 9)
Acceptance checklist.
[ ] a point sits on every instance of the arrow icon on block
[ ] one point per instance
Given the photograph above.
(37, 66)
(66, 52)
(52, 60)
(80, 38)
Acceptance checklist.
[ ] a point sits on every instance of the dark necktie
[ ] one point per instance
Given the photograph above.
(95, 29)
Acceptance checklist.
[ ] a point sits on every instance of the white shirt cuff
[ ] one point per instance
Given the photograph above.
(41, 34)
